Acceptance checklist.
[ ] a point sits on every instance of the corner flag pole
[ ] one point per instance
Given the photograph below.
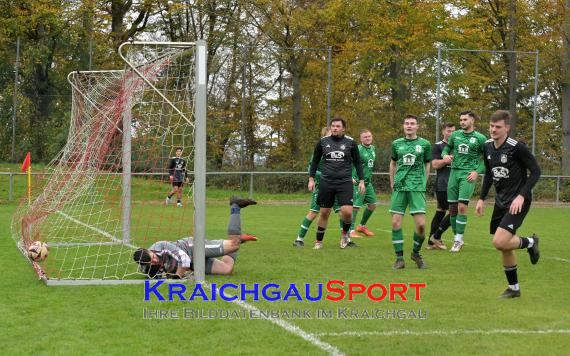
(27, 167)
(30, 184)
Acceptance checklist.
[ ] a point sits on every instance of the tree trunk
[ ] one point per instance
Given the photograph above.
(397, 86)
(87, 13)
(565, 84)
(512, 67)
(296, 132)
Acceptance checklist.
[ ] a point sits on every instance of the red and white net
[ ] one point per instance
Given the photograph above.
(78, 202)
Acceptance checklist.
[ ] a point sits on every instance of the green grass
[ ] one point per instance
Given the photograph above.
(460, 296)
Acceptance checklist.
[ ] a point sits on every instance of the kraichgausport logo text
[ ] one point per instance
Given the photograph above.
(334, 290)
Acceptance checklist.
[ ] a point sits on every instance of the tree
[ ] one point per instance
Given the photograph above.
(512, 65)
(119, 9)
(565, 86)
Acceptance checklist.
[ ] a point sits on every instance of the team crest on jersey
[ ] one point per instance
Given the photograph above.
(463, 148)
(408, 159)
(503, 158)
(370, 163)
(342, 147)
(472, 140)
(418, 149)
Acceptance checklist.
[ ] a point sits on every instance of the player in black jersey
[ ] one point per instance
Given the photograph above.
(440, 221)
(339, 153)
(178, 175)
(507, 162)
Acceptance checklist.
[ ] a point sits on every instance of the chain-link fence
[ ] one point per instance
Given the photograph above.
(549, 189)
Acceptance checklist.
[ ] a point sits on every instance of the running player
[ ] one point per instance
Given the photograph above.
(507, 162)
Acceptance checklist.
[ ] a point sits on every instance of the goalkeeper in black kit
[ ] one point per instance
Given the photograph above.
(507, 162)
(178, 175)
(166, 259)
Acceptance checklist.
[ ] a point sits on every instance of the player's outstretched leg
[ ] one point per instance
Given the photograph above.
(242, 202)
(365, 216)
(234, 225)
(307, 221)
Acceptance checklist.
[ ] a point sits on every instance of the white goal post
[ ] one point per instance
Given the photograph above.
(103, 195)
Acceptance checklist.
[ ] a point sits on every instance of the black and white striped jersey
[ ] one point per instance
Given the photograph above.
(507, 168)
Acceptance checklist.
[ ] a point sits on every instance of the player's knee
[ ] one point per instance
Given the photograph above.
(227, 269)
(462, 208)
(371, 207)
(396, 222)
(325, 213)
(453, 209)
(500, 243)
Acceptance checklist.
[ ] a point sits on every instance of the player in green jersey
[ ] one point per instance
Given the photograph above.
(315, 208)
(464, 151)
(367, 153)
(409, 170)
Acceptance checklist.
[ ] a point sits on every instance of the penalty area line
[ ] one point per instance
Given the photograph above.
(446, 333)
(293, 329)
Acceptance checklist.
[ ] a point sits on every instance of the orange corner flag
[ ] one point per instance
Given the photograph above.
(27, 163)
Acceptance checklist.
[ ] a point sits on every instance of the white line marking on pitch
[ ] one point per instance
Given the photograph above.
(444, 333)
(310, 337)
(104, 233)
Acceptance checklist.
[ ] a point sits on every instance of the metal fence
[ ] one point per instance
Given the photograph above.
(550, 188)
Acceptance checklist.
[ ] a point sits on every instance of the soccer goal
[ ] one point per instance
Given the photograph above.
(105, 193)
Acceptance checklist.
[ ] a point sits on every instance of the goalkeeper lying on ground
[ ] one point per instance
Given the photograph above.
(174, 259)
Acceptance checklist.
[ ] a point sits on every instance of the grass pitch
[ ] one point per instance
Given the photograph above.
(463, 314)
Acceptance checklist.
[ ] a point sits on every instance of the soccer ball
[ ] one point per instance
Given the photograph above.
(38, 251)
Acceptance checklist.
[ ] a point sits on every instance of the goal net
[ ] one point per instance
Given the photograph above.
(105, 193)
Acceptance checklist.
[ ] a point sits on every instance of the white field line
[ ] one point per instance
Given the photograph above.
(445, 333)
(104, 233)
(293, 329)
(491, 248)
(312, 338)
(561, 259)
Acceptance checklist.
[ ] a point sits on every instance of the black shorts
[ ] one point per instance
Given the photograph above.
(343, 192)
(442, 202)
(178, 184)
(502, 218)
